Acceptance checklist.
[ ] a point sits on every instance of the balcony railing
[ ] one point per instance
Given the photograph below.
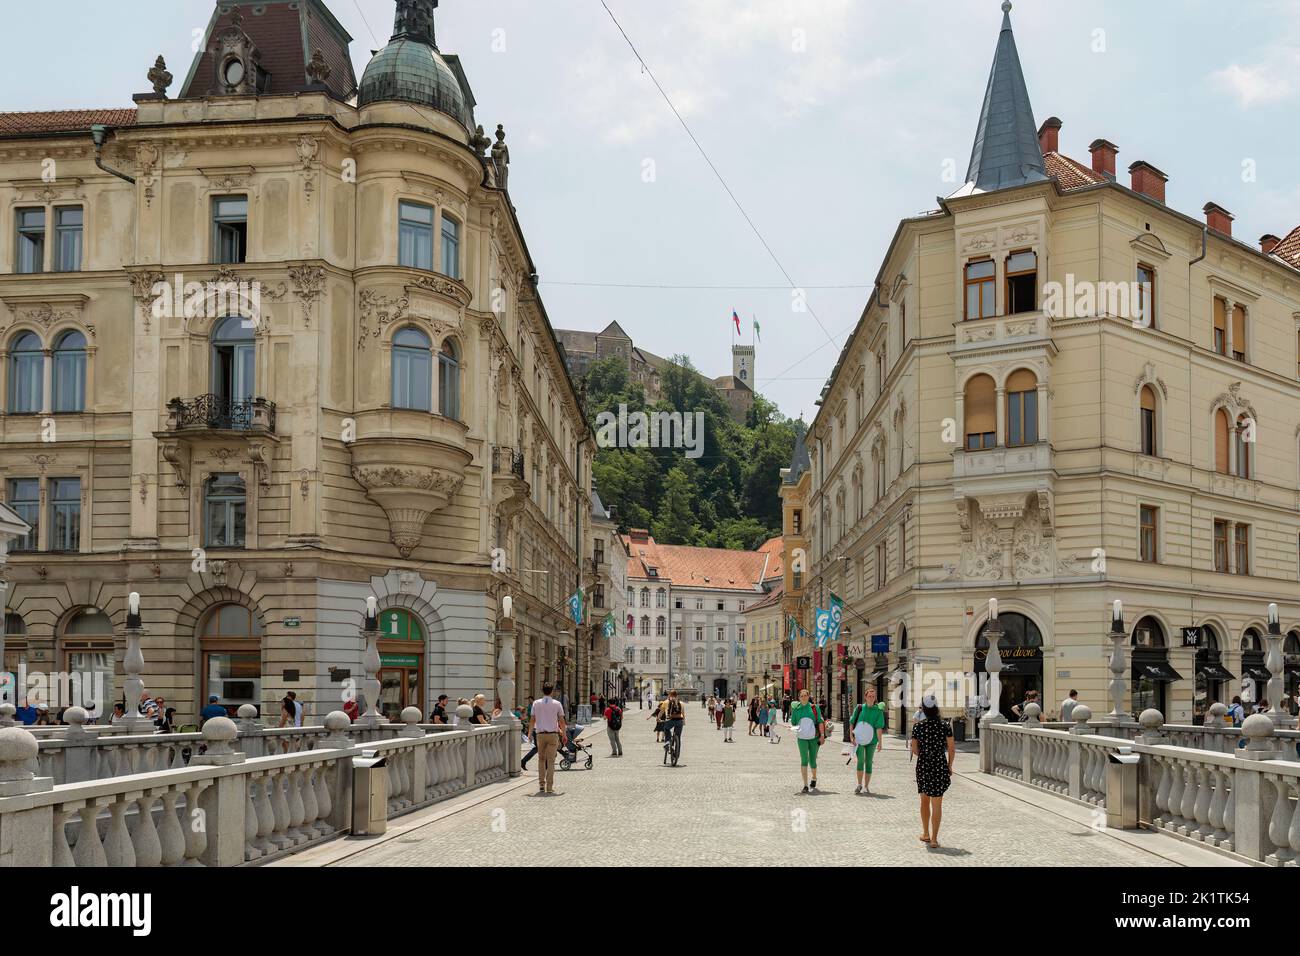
(507, 461)
(213, 411)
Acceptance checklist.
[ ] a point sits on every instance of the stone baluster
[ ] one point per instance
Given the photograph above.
(117, 841)
(144, 836)
(1229, 842)
(252, 847)
(61, 852)
(310, 806)
(171, 838)
(1201, 807)
(1177, 782)
(293, 800)
(1293, 832)
(1218, 806)
(89, 851)
(1279, 823)
(275, 785)
(1187, 809)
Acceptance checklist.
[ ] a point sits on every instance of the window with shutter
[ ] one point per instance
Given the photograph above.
(981, 413)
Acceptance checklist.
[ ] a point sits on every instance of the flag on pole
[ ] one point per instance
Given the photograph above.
(575, 606)
(837, 616)
(757, 330)
(607, 626)
(822, 617)
(735, 317)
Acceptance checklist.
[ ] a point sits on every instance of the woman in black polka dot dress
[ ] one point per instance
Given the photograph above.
(934, 749)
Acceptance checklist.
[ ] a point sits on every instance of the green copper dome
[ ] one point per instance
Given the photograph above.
(410, 69)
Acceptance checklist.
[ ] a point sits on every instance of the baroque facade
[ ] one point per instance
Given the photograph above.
(269, 347)
(1064, 392)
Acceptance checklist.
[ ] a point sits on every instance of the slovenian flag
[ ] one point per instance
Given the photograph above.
(736, 318)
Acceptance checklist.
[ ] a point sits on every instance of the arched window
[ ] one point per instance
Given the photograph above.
(981, 413)
(1221, 446)
(233, 378)
(1251, 642)
(26, 375)
(661, 656)
(86, 639)
(661, 598)
(401, 656)
(231, 641)
(1148, 633)
(645, 655)
(1022, 408)
(645, 597)
(449, 381)
(1244, 438)
(70, 372)
(857, 496)
(412, 370)
(1148, 425)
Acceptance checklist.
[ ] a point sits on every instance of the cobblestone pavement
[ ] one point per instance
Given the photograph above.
(740, 803)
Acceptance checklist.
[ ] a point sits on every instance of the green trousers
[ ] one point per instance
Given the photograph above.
(808, 752)
(865, 756)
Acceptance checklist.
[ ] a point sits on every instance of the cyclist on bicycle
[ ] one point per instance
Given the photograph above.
(674, 720)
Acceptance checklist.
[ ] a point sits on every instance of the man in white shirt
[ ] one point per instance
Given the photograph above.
(546, 720)
(1068, 705)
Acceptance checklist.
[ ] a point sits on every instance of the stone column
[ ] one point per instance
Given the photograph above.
(26, 836)
(133, 665)
(371, 662)
(1118, 685)
(506, 691)
(1274, 662)
(992, 667)
(1151, 735)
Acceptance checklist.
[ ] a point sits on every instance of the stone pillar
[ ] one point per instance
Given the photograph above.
(993, 667)
(1274, 662)
(133, 664)
(250, 731)
(371, 662)
(506, 691)
(465, 712)
(1032, 712)
(419, 767)
(1151, 735)
(77, 747)
(223, 804)
(1082, 714)
(1253, 794)
(1118, 685)
(25, 835)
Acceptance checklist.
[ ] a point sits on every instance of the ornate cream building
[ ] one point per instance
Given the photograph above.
(989, 432)
(269, 347)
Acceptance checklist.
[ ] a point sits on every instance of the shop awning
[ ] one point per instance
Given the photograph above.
(1157, 671)
(1256, 672)
(1215, 672)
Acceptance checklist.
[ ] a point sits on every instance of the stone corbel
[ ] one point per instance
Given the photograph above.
(1045, 512)
(963, 517)
(177, 454)
(259, 456)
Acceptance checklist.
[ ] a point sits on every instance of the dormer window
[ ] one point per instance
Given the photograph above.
(233, 72)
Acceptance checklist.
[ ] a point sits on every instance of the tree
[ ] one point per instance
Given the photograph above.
(675, 521)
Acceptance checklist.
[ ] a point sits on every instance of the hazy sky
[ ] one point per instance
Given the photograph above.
(829, 119)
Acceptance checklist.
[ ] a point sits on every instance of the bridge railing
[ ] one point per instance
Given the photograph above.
(226, 809)
(1243, 800)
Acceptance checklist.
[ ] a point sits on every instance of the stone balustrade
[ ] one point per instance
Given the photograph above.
(1243, 800)
(219, 806)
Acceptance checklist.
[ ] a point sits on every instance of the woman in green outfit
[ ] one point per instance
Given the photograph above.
(809, 727)
(868, 721)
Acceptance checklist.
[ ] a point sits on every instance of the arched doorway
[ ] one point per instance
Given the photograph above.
(401, 662)
(1254, 675)
(1151, 671)
(230, 641)
(1021, 650)
(1211, 676)
(86, 642)
(14, 664)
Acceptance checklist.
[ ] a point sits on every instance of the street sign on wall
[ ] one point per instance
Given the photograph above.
(880, 643)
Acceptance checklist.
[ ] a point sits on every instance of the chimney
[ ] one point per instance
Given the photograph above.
(1267, 243)
(1218, 218)
(1148, 180)
(1049, 135)
(1103, 157)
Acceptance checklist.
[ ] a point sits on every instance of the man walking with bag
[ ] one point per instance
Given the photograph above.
(613, 724)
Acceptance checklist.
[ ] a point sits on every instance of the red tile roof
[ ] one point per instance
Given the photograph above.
(774, 548)
(716, 569)
(63, 121)
(1070, 173)
(772, 599)
(1288, 250)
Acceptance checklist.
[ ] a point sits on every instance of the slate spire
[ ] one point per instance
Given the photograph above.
(1006, 151)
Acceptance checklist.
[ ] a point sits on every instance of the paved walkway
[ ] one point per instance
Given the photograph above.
(740, 803)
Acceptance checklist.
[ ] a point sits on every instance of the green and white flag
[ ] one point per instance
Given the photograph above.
(757, 330)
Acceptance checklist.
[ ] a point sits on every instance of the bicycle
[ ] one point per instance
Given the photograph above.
(673, 748)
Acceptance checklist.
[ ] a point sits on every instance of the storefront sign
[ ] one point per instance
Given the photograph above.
(880, 643)
(399, 660)
(1191, 637)
(803, 663)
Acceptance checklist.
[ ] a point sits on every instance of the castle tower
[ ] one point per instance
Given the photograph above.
(742, 363)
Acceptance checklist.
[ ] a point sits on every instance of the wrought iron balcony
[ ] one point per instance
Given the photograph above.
(507, 461)
(215, 412)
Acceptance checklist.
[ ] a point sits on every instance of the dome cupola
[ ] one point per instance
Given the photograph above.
(411, 70)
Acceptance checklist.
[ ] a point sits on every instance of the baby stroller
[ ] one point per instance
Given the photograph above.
(573, 751)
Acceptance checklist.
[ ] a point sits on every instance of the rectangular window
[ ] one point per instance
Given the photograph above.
(678, 603)
(25, 500)
(31, 241)
(1241, 549)
(65, 514)
(699, 604)
(598, 599)
(699, 634)
(1147, 533)
(415, 236)
(1220, 326)
(1146, 288)
(1239, 333)
(722, 633)
(677, 633)
(450, 247)
(740, 633)
(1022, 418)
(67, 239)
(230, 229)
(798, 580)
(796, 521)
(980, 297)
(224, 512)
(722, 606)
(1022, 282)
